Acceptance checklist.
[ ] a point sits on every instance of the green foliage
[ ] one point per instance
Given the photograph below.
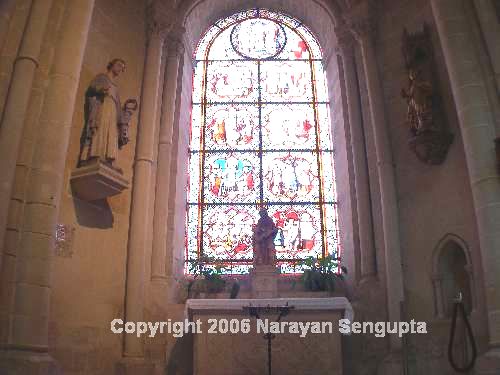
(321, 274)
(206, 266)
(211, 272)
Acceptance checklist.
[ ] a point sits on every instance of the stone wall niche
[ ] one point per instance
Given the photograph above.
(429, 135)
(452, 274)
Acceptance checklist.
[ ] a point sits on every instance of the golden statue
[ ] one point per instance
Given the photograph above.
(419, 99)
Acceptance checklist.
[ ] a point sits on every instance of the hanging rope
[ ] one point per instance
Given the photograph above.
(459, 306)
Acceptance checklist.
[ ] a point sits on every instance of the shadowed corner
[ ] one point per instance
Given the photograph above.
(93, 214)
(181, 357)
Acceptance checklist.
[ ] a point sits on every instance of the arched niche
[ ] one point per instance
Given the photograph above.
(318, 15)
(452, 274)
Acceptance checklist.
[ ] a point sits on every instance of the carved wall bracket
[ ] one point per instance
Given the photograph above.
(430, 138)
(431, 147)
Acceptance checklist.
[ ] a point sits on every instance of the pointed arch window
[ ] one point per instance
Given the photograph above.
(260, 135)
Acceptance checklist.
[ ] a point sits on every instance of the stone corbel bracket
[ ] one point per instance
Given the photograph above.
(97, 181)
(430, 138)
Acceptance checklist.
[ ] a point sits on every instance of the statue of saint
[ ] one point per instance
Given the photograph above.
(419, 100)
(263, 240)
(106, 121)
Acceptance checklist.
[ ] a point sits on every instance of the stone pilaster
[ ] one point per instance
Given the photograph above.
(363, 24)
(159, 259)
(478, 132)
(16, 105)
(28, 340)
(346, 44)
(141, 189)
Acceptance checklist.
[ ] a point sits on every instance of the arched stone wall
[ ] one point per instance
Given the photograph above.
(320, 16)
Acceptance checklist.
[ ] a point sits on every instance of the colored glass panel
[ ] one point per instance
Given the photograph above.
(328, 175)
(231, 177)
(322, 115)
(222, 49)
(296, 47)
(288, 126)
(290, 177)
(258, 38)
(231, 81)
(320, 85)
(299, 231)
(192, 235)
(227, 22)
(232, 126)
(194, 177)
(227, 232)
(197, 119)
(286, 81)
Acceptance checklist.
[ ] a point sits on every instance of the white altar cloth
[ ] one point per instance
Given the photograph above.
(333, 303)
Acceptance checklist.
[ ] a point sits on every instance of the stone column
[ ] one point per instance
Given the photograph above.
(28, 339)
(478, 132)
(159, 258)
(141, 188)
(361, 180)
(14, 114)
(362, 22)
(490, 27)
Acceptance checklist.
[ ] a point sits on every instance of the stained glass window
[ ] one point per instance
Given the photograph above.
(260, 136)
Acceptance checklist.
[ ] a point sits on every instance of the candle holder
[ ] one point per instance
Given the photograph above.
(256, 312)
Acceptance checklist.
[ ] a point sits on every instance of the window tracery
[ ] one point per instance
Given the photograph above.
(260, 136)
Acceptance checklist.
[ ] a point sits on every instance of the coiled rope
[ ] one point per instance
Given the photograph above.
(459, 306)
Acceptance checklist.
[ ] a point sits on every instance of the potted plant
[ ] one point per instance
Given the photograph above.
(321, 274)
(207, 276)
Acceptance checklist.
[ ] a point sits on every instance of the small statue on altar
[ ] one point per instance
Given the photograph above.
(106, 121)
(263, 240)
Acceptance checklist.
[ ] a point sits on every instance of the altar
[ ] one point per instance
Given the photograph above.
(241, 336)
